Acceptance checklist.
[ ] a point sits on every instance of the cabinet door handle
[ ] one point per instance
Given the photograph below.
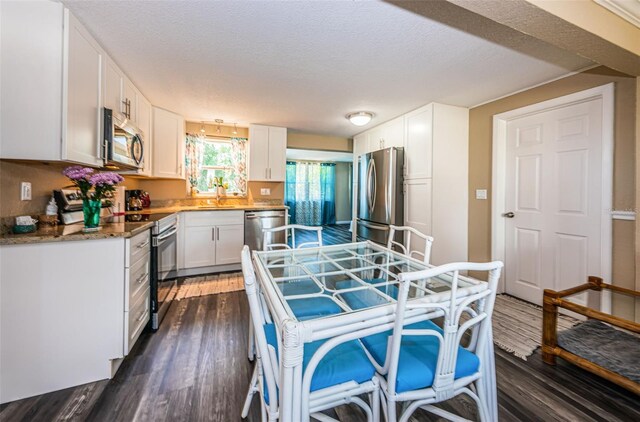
(142, 277)
(142, 315)
(213, 233)
(218, 230)
(143, 245)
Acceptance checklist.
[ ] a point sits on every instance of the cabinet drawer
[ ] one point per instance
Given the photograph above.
(137, 319)
(213, 218)
(139, 274)
(139, 245)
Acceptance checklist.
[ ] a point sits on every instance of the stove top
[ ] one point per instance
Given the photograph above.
(133, 218)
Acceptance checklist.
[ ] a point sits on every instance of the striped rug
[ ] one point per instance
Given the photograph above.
(517, 325)
(210, 285)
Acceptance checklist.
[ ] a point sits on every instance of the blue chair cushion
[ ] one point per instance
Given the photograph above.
(298, 287)
(313, 307)
(419, 357)
(388, 289)
(346, 362)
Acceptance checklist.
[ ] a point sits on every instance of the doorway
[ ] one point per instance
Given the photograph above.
(552, 193)
(318, 192)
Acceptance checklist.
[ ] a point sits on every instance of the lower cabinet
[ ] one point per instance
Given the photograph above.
(137, 288)
(212, 238)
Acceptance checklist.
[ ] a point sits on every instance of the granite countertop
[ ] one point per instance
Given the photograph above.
(235, 207)
(120, 229)
(72, 232)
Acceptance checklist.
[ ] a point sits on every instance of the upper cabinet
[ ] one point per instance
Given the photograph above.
(55, 81)
(168, 144)
(385, 135)
(267, 153)
(121, 95)
(51, 96)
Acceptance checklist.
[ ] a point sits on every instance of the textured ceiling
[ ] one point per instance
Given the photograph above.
(304, 65)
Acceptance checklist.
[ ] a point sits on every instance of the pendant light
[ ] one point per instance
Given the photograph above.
(235, 129)
(202, 129)
(219, 122)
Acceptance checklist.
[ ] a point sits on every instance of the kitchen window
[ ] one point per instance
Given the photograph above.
(213, 162)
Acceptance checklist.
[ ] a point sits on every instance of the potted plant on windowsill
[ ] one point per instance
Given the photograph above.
(93, 187)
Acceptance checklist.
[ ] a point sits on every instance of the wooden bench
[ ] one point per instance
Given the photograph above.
(550, 348)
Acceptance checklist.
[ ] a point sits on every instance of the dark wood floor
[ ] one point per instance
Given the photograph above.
(195, 369)
(333, 234)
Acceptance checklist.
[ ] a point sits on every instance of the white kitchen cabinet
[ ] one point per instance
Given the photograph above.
(212, 238)
(113, 79)
(267, 153)
(168, 140)
(145, 117)
(51, 79)
(385, 135)
(436, 178)
(81, 95)
(60, 328)
(136, 291)
(121, 95)
(229, 243)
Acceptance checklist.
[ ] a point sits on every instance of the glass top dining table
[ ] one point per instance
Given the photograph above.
(346, 291)
(351, 277)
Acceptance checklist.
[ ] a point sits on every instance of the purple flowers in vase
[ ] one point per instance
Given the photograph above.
(85, 179)
(93, 188)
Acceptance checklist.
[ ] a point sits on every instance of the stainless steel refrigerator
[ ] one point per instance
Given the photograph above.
(380, 194)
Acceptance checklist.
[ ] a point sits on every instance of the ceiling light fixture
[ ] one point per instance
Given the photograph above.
(219, 122)
(235, 129)
(360, 118)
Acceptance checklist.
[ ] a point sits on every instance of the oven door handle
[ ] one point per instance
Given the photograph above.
(167, 235)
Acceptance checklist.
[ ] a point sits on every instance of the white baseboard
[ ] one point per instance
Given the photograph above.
(344, 222)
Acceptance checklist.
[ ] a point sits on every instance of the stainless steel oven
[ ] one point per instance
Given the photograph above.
(164, 265)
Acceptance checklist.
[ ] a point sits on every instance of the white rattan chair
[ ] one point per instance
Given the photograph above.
(420, 364)
(267, 246)
(267, 236)
(406, 248)
(337, 377)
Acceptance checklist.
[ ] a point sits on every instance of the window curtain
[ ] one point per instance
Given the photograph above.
(194, 151)
(239, 174)
(310, 193)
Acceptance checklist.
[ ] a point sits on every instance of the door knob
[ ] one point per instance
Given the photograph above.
(508, 214)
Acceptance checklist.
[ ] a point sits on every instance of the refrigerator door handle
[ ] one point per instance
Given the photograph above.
(373, 183)
(375, 226)
(369, 193)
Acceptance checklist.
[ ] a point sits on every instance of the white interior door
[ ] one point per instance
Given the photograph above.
(554, 188)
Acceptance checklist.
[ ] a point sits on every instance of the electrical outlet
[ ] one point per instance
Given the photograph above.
(481, 194)
(265, 191)
(25, 191)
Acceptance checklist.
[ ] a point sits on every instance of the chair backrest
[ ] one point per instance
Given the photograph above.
(406, 248)
(291, 228)
(259, 319)
(477, 305)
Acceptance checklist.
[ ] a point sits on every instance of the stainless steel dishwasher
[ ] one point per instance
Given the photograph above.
(255, 221)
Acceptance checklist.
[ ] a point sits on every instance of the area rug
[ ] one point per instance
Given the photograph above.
(613, 349)
(210, 285)
(517, 325)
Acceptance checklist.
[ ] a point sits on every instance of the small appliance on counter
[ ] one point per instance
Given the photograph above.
(69, 204)
(146, 199)
(118, 203)
(133, 200)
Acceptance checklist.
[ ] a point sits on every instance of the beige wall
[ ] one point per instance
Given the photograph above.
(318, 142)
(44, 178)
(343, 192)
(480, 149)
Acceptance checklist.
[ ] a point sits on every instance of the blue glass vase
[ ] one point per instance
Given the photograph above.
(91, 210)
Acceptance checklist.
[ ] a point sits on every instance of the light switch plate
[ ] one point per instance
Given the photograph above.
(481, 194)
(25, 191)
(265, 191)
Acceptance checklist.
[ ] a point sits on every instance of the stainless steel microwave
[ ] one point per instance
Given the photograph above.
(123, 142)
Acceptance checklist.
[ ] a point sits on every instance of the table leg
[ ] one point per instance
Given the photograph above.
(487, 390)
(291, 373)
